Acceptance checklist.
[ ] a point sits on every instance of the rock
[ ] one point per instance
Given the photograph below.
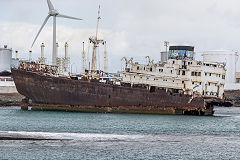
(11, 99)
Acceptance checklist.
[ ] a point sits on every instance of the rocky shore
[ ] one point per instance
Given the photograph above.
(233, 96)
(10, 99)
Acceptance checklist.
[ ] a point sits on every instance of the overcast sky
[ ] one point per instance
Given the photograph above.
(132, 28)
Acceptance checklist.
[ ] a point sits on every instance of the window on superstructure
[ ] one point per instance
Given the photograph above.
(200, 83)
(205, 74)
(182, 82)
(210, 74)
(178, 72)
(183, 72)
(173, 62)
(144, 68)
(134, 77)
(199, 73)
(137, 67)
(192, 74)
(171, 71)
(150, 69)
(192, 82)
(223, 76)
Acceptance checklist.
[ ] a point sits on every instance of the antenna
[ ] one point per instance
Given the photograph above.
(166, 43)
(98, 19)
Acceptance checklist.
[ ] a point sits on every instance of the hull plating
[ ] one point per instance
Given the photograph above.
(55, 93)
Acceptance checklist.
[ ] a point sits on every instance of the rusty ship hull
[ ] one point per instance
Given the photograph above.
(63, 94)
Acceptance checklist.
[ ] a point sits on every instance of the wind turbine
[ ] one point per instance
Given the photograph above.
(54, 13)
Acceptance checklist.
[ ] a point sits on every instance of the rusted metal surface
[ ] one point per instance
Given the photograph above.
(37, 67)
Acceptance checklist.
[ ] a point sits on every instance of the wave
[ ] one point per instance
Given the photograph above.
(70, 136)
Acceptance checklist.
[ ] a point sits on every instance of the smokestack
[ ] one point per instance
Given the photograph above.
(30, 56)
(16, 54)
(66, 50)
(42, 50)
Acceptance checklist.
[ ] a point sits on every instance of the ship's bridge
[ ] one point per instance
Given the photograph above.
(181, 52)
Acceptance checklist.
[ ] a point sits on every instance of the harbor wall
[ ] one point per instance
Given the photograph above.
(8, 89)
(10, 99)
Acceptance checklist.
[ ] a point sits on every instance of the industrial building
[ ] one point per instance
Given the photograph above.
(6, 82)
(229, 58)
(5, 59)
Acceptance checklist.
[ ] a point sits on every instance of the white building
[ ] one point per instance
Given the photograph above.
(6, 82)
(230, 58)
(5, 59)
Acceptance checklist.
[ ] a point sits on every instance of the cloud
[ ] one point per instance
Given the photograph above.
(132, 28)
(20, 36)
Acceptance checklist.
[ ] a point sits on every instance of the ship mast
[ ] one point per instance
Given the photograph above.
(95, 42)
(83, 59)
(105, 58)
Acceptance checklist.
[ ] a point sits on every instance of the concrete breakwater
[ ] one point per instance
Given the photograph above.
(10, 99)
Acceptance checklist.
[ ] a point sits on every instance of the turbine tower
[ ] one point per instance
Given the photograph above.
(54, 13)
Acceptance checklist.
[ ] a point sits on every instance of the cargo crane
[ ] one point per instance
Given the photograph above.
(96, 43)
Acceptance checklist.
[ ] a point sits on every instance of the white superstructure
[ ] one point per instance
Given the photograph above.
(230, 58)
(182, 75)
(5, 59)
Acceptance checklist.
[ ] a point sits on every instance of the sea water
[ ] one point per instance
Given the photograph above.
(64, 135)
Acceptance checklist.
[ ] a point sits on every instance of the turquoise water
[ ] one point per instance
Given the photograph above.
(119, 136)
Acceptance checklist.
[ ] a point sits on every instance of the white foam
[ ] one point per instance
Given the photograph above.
(72, 136)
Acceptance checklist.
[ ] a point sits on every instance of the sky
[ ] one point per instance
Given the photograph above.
(132, 28)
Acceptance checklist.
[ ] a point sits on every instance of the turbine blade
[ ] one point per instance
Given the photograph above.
(50, 6)
(64, 16)
(45, 21)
